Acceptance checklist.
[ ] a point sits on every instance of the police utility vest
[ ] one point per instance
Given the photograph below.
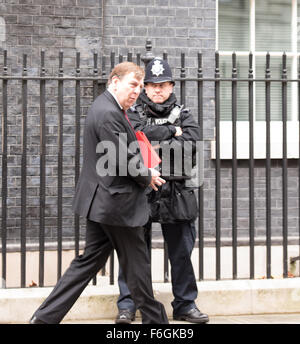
(173, 118)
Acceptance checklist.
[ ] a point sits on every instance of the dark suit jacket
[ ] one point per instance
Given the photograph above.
(117, 199)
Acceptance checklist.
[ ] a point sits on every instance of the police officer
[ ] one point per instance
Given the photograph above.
(174, 206)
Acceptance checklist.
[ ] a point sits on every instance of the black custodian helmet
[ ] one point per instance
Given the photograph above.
(157, 71)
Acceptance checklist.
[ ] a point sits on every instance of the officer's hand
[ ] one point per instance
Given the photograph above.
(156, 179)
(178, 131)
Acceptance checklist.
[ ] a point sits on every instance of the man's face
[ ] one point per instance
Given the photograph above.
(127, 89)
(159, 93)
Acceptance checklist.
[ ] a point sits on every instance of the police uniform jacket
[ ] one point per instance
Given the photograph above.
(174, 201)
(117, 198)
(160, 127)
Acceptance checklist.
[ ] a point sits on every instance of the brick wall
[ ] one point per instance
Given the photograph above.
(28, 26)
(122, 26)
(85, 26)
(32, 25)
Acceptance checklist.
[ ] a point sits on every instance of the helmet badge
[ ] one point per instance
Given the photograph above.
(157, 68)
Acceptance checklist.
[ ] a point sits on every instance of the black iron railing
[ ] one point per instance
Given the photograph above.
(97, 82)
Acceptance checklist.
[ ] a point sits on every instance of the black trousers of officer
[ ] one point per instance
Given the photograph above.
(180, 239)
(130, 246)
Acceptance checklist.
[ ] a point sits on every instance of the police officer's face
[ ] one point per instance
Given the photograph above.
(159, 93)
(127, 89)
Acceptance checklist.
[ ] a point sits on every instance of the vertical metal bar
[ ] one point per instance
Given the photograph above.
(102, 85)
(24, 174)
(268, 165)
(102, 88)
(103, 74)
(77, 146)
(112, 255)
(60, 165)
(284, 169)
(182, 82)
(4, 173)
(112, 267)
(251, 167)
(218, 168)
(138, 59)
(129, 57)
(234, 168)
(42, 170)
(298, 85)
(95, 82)
(166, 253)
(200, 189)
(95, 94)
(112, 59)
(166, 263)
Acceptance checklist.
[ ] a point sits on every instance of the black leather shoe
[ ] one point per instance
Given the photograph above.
(193, 316)
(125, 317)
(35, 320)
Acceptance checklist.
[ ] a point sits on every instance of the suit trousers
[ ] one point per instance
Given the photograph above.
(101, 239)
(180, 239)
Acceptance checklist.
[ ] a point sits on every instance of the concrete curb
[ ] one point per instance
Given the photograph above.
(214, 298)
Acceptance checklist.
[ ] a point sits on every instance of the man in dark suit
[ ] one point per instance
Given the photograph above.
(111, 195)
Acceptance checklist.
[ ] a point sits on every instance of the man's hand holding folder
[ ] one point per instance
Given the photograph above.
(156, 179)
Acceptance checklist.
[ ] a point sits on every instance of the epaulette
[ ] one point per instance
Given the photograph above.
(185, 110)
(182, 108)
(133, 108)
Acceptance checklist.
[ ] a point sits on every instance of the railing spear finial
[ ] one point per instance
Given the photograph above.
(149, 55)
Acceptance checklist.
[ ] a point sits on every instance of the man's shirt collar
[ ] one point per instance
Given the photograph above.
(116, 99)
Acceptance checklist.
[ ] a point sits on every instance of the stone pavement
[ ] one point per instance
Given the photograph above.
(274, 301)
(230, 319)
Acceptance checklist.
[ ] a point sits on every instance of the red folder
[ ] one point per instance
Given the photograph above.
(150, 157)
